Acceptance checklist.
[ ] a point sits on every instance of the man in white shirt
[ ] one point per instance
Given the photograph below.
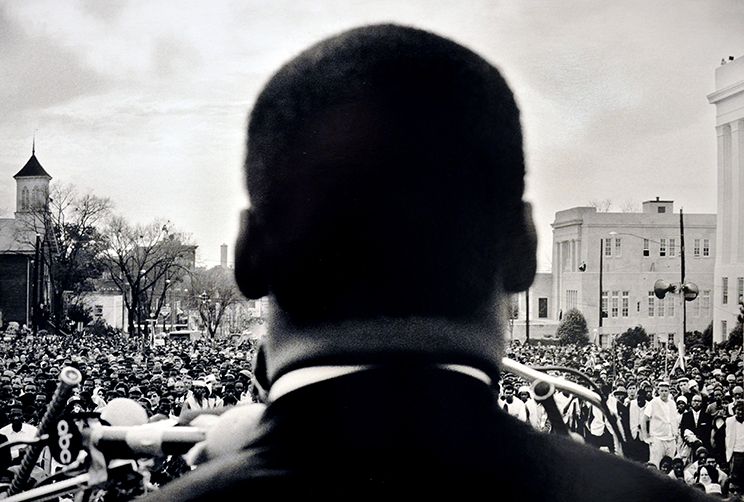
(660, 419)
(18, 430)
(512, 406)
(734, 441)
(536, 414)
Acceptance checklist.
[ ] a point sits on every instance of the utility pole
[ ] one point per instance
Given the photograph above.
(35, 287)
(682, 271)
(527, 316)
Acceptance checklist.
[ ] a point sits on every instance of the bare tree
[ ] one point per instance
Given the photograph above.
(144, 261)
(212, 293)
(68, 224)
(629, 206)
(602, 206)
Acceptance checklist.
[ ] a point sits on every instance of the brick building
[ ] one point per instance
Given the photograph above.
(24, 279)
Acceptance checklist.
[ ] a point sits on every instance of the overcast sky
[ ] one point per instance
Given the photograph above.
(146, 101)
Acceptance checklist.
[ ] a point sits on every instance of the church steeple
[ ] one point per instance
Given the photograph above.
(32, 184)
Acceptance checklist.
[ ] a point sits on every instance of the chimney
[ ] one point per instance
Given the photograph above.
(223, 256)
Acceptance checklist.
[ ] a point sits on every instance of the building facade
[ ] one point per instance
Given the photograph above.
(24, 277)
(539, 298)
(627, 253)
(728, 99)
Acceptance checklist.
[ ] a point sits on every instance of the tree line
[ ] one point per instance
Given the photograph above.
(84, 242)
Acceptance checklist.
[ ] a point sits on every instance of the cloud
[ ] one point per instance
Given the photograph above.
(37, 73)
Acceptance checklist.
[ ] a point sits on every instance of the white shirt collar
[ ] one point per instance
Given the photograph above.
(302, 377)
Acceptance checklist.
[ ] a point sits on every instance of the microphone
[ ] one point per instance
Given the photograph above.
(230, 432)
(543, 392)
(69, 377)
(122, 412)
(144, 440)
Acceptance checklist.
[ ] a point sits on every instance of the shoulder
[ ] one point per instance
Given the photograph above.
(517, 462)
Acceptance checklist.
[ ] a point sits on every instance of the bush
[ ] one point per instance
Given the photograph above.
(573, 329)
(633, 337)
(696, 338)
(735, 337)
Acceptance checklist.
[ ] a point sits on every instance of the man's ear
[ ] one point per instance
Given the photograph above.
(250, 261)
(520, 261)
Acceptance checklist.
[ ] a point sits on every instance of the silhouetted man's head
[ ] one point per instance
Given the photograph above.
(386, 174)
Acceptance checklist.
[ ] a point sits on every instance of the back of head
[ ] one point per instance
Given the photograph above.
(385, 171)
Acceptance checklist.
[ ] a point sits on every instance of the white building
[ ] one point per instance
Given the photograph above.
(729, 267)
(635, 250)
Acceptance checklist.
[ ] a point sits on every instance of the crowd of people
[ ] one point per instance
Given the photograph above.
(684, 420)
(688, 424)
(166, 380)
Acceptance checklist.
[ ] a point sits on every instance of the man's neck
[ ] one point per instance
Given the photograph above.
(476, 342)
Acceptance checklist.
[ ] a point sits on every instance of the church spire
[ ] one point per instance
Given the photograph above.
(33, 145)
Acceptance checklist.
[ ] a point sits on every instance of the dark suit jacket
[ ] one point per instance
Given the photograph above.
(418, 432)
(701, 429)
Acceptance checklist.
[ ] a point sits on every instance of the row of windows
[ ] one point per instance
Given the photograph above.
(725, 288)
(606, 339)
(667, 247)
(617, 304)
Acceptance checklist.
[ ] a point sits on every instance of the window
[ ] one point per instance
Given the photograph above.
(572, 297)
(696, 248)
(706, 247)
(660, 307)
(615, 303)
(670, 305)
(625, 303)
(618, 247)
(695, 307)
(645, 247)
(706, 302)
(672, 251)
(661, 209)
(724, 288)
(724, 329)
(651, 301)
(542, 308)
(604, 303)
(662, 247)
(652, 338)
(739, 288)
(24, 199)
(608, 247)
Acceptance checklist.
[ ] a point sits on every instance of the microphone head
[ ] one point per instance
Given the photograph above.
(123, 412)
(233, 430)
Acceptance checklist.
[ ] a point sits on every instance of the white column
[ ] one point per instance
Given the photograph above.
(737, 168)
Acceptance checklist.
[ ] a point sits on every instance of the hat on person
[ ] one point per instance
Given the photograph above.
(620, 390)
(717, 372)
(523, 389)
(683, 379)
(730, 378)
(737, 390)
(700, 450)
(663, 383)
(681, 399)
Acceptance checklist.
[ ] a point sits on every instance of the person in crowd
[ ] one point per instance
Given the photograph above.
(383, 350)
(511, 405)
(697, 421)
(660, 420)
(17, 430)
(678, 469)
(535, 412)
(734, 442)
